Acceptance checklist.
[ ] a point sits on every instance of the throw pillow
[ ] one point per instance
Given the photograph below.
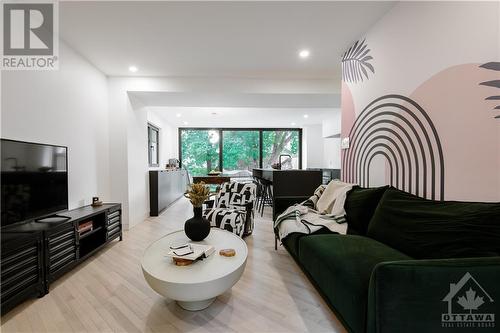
(428, 229)
(359, 206)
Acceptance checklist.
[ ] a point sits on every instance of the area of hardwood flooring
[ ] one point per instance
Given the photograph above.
(107, 293)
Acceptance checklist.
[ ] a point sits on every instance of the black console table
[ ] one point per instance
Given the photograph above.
(34, 254)
(22, 268)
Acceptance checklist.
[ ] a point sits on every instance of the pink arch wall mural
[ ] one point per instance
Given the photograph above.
(399, 129)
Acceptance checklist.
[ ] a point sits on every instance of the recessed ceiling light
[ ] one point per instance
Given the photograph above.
(133, 69)
(185, 122)
(304, 53)
(293, 124)
(178, 115)
(306, 116)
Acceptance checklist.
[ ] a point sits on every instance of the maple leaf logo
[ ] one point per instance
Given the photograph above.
(470, 301)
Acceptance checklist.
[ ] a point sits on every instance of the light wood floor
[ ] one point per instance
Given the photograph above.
(107, 293)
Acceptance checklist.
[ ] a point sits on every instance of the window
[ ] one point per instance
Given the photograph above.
(284, 143)
(240, 152)
(199, 150)
(153, 146)
(237, 151)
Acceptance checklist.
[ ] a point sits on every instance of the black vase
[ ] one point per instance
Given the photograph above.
(197, 228)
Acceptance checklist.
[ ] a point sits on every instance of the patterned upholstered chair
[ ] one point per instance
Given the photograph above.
(233, 208)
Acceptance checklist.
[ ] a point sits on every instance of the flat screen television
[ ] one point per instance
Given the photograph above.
(34, 180)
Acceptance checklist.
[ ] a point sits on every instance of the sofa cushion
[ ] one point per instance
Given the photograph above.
(341, 266)
(359, 206)
(427, 229)
(291, 242)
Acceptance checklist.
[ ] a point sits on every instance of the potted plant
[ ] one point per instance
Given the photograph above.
(197, 228)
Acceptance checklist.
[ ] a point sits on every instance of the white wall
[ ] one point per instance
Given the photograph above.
(66, 107)
(313, 146)
(331, 153)
(331, 125)
(331, 140)
(137, 160)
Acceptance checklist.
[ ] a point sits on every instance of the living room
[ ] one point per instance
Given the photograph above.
(336, 162)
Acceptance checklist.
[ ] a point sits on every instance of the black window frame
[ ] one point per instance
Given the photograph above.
(221, 140)
(150, 156)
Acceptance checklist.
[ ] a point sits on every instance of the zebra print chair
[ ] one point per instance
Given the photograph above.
(233, 208)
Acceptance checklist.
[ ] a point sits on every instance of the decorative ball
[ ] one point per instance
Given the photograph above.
(227, 252)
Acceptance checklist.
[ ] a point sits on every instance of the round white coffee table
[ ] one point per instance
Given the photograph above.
(196, 286)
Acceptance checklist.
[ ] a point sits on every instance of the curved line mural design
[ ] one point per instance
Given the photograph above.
(494, 66)
(355, 62)
(398, 129)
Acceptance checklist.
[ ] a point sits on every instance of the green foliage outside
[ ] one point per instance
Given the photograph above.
(198, 154)
(240, 149)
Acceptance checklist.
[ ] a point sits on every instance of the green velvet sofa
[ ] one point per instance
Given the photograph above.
(407, 264)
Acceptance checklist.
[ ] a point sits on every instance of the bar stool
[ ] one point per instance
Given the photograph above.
(266, 195)
(258, 193)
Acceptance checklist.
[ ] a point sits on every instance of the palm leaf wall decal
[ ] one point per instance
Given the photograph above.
(491, 65)
(494, 66)
(492, 83)
(355, 62)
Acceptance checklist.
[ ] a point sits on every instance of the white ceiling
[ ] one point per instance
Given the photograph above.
(235, 100)
(242, 117)
(217, 39)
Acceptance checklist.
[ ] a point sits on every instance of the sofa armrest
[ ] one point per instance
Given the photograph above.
(416, 295)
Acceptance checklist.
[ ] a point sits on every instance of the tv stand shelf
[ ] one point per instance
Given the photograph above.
(88, 233)
(54, 248)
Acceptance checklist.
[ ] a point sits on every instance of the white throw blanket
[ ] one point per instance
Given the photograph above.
(305, 220)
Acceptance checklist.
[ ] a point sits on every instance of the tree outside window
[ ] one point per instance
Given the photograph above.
(276, 143)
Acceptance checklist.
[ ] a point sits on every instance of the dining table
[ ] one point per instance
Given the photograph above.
(211, 179)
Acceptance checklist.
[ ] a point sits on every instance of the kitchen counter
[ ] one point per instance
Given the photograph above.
(165, 187)
(289, 186)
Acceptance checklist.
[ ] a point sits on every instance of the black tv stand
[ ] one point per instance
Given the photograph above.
(53, 218)
(35, 254)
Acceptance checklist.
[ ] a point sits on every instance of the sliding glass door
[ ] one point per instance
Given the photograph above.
(237, 151)
(199, 150)
(240, 152)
